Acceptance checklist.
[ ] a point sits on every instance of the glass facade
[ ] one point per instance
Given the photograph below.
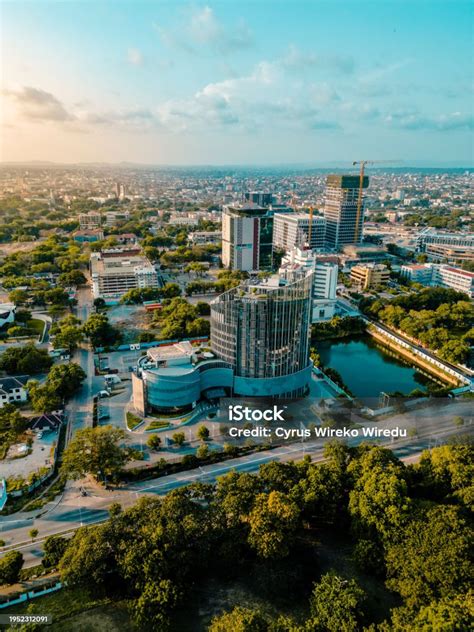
(262, 331)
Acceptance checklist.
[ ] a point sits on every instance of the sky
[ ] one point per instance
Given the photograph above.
(237, 82)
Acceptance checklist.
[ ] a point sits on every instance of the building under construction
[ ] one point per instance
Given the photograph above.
(344, 209)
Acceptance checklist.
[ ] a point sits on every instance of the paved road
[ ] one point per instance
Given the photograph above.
(74, 510)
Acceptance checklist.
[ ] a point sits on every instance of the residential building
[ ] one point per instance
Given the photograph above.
(203, 237)
(292, 229)
(49, 422)
(90, 221)
(432, 274)
(343, 223)
(116, 271)
(452, 246)
(369, 275)
(13, 389)
(324, 280)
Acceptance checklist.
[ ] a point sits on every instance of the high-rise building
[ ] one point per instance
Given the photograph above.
(262, 332)
(324, 280)
(247, 237)
(261, 198)
(292, 229)
(340, 210)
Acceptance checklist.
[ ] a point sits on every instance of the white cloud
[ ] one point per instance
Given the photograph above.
(39, 105)
(201, 30)
(134, 57)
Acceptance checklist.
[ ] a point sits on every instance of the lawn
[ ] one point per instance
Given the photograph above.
(156, 424)
(62, 604)
(37, 325)
(133, 420)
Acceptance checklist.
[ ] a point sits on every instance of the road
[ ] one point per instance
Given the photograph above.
(79, 408)
(74, 510)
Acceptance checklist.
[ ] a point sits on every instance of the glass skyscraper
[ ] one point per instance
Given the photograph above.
(262, 331)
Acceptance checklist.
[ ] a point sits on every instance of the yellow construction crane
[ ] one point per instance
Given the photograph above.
(362, 164)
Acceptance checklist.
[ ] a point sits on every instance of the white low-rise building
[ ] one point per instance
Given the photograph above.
(116, 271)
(13, 390)
(7, 314)
(432, 274)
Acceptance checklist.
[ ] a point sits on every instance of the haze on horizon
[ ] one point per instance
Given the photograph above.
(228, 83)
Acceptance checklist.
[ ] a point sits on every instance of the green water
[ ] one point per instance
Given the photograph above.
(367, 369)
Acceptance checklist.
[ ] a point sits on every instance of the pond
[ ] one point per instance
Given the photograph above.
(368, 369)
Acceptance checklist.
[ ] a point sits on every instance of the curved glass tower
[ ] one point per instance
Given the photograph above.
(262, 331)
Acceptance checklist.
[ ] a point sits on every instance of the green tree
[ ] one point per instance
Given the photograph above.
(379, 498)
(10, 567)
(53, 549)
(99, 331)
(203, 433)
(336, 605)
(68, 338)
(43, 398)
(154, 442)
(89, 558)
(273, 522)
(33, 533)
(95, 451)
(240, 619)
(65, 379)
(153, 606)
(203, 451)
(178, 438)
(18, 297)
(430, 559)
(456, 351)
(25, 360)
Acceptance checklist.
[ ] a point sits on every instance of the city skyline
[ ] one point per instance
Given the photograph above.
(227, 84)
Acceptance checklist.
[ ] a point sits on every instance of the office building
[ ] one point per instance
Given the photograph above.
(343, 223)
(431, 274)
(292, 229)
(369, 275)
(324, 280)
(452, 246)
(203, 237)
(117, 270)
(262, 332)
(260, 198)
(247, 234)
(114, 217)
(260, 348)
(90, 221)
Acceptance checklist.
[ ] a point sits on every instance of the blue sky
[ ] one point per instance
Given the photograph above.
(238, 82)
